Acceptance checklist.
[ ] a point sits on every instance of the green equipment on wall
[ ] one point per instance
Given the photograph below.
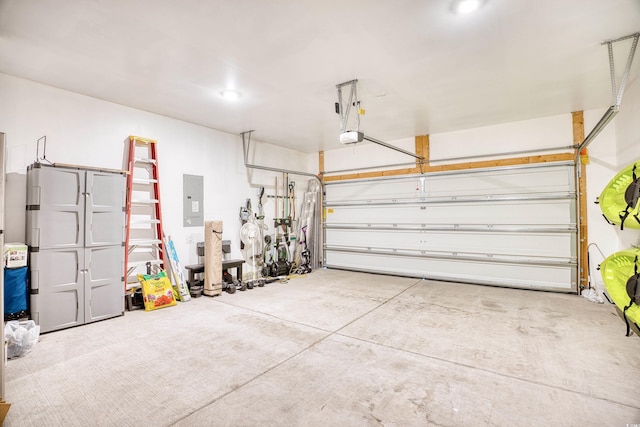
(620, 199)
(622, 280)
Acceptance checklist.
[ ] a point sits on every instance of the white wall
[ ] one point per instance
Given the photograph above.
(369, 155)
(546, 132)
(601, 168)
(263, 154)
(627, 127)
(543, 133)
(87, 131)
(627, 124)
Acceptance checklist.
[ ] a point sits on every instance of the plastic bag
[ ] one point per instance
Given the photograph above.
(20, 337)
(157, 291)
(593, 295)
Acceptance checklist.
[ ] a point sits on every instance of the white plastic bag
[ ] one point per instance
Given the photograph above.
(592, 295)
(20, 337)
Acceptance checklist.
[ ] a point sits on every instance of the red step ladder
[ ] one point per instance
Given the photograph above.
(144, 239)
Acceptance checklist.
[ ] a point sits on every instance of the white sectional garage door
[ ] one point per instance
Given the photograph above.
(508, 226)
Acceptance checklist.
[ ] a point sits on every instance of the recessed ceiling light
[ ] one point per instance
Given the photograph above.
(466, 6)
(230, 94)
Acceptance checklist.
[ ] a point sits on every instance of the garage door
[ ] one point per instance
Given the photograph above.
(508, 226)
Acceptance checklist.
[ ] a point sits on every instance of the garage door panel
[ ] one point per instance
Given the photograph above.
(547, 245)
(534, 181)
(507, 182)
(512, 226)
(557, 278)
(548, 212)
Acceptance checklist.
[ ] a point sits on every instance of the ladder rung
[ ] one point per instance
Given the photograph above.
(141, 249)
(145, 221)
(144, 181)
(141, 263)
(141, 242)
(133, 265)
(144, 160)
(144, 201)
(132, 285)
(138, 140)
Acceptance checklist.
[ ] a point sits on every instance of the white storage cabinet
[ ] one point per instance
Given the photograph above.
(75, 233)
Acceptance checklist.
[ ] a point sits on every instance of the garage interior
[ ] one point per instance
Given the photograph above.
(405, 192)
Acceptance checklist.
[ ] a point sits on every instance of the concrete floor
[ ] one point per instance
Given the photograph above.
(339, 348)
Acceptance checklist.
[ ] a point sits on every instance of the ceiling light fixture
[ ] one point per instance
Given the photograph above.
(466, 6)
(230, 94)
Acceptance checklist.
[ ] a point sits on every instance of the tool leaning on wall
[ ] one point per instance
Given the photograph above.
(283, 251)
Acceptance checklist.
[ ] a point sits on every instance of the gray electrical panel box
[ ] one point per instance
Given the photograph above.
(192, 193)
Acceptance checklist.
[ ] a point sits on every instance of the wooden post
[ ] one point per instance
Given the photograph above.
(583, 262)
(321, 165)
(422, 150)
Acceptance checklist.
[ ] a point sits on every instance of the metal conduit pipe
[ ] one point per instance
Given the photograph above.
(393, 147)
(604, 121)
(246, 143)
(508, 153)
(578, 223)
(370, 167)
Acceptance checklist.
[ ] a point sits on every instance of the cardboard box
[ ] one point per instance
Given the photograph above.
(15, 255)
(4, 409)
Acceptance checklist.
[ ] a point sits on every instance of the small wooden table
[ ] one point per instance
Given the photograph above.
(194, 269)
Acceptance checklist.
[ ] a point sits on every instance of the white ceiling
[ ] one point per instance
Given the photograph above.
(511, 60)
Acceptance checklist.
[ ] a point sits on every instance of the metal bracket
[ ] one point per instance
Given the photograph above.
(344, 109)
(246, 144)
(44, 150)
(616, 91)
